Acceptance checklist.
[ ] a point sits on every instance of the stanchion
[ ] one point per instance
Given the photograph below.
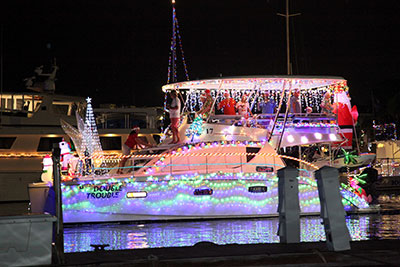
(288, 208)
(332, 210)
(59, 240)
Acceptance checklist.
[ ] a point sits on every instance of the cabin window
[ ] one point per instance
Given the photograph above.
(110, 143)
(258, 189)
(46, 143)
(264, 169)
(143, 138)
(20, 104)
(7, 142)
(156, 138)
(61, 109)
(251, 150)
(203, 192)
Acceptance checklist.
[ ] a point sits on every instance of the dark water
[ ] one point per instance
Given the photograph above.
(249, 231)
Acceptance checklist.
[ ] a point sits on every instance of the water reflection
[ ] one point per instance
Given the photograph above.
(177, 234)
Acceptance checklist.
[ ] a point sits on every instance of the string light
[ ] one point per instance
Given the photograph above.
(174, 196)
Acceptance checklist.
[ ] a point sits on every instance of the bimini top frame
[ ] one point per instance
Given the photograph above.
(261, 83)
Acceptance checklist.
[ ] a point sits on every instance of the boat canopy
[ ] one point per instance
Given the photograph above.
(261, 83)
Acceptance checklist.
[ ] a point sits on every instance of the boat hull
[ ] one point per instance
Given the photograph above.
(205, 196)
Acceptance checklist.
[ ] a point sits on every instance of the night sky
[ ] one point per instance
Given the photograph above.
(117, 51)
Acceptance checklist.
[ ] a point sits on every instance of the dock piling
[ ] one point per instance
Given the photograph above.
(332, 210)
(288, 207)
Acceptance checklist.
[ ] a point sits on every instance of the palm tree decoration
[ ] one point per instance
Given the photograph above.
(349, 157)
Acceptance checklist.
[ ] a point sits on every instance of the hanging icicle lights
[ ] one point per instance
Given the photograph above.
(311, 90)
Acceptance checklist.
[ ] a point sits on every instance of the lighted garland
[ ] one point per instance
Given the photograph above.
(174, 193)
(196, 128)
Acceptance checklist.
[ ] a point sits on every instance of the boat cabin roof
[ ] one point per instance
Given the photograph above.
(277, 82)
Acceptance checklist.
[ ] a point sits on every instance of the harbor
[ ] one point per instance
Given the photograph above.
(245, 242)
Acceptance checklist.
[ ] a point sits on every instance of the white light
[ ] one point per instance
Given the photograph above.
(304, 139)
(290, 138)
(332, 137)
(141, 194)
(318, 136)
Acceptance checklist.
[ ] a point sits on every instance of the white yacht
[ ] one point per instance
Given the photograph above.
(30, 125)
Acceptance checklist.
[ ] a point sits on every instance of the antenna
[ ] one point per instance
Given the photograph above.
(287, 16)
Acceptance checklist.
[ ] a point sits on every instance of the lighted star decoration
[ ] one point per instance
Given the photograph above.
(89, 100)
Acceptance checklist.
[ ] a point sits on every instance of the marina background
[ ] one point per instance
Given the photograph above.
(122, 46)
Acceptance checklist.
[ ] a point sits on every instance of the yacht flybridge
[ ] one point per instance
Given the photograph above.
(225, 166)
(300, 128)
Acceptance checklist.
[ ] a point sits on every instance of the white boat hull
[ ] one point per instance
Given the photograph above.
(173, 198)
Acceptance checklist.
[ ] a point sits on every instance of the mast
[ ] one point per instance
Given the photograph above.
(287, 16)
(173, 43)
(172, 71)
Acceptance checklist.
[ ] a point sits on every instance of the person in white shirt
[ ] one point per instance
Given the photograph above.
(174, 115)
(243, 108)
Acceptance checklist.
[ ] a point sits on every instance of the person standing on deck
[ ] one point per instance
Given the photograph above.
(208, 102)
(295, 104)
(132, 142)
(227, 105)
(326, 106)
(174, 115)
(267, 105)
(243, 109)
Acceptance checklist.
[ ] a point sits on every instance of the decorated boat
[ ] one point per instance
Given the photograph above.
(225, 165)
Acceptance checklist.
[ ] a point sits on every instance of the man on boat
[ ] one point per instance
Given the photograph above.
(326, 106)
(207, 101)
(295, 104)
(267, 105)
(174, 115)
(227, 105)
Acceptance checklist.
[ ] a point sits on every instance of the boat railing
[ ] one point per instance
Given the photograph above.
(388, 166)
(141, 166)
(266, 120)
(263, 172)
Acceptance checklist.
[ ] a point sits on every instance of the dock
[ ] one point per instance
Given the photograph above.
(362, 253)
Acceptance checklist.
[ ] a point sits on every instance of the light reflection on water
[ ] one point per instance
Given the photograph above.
(250, 231)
